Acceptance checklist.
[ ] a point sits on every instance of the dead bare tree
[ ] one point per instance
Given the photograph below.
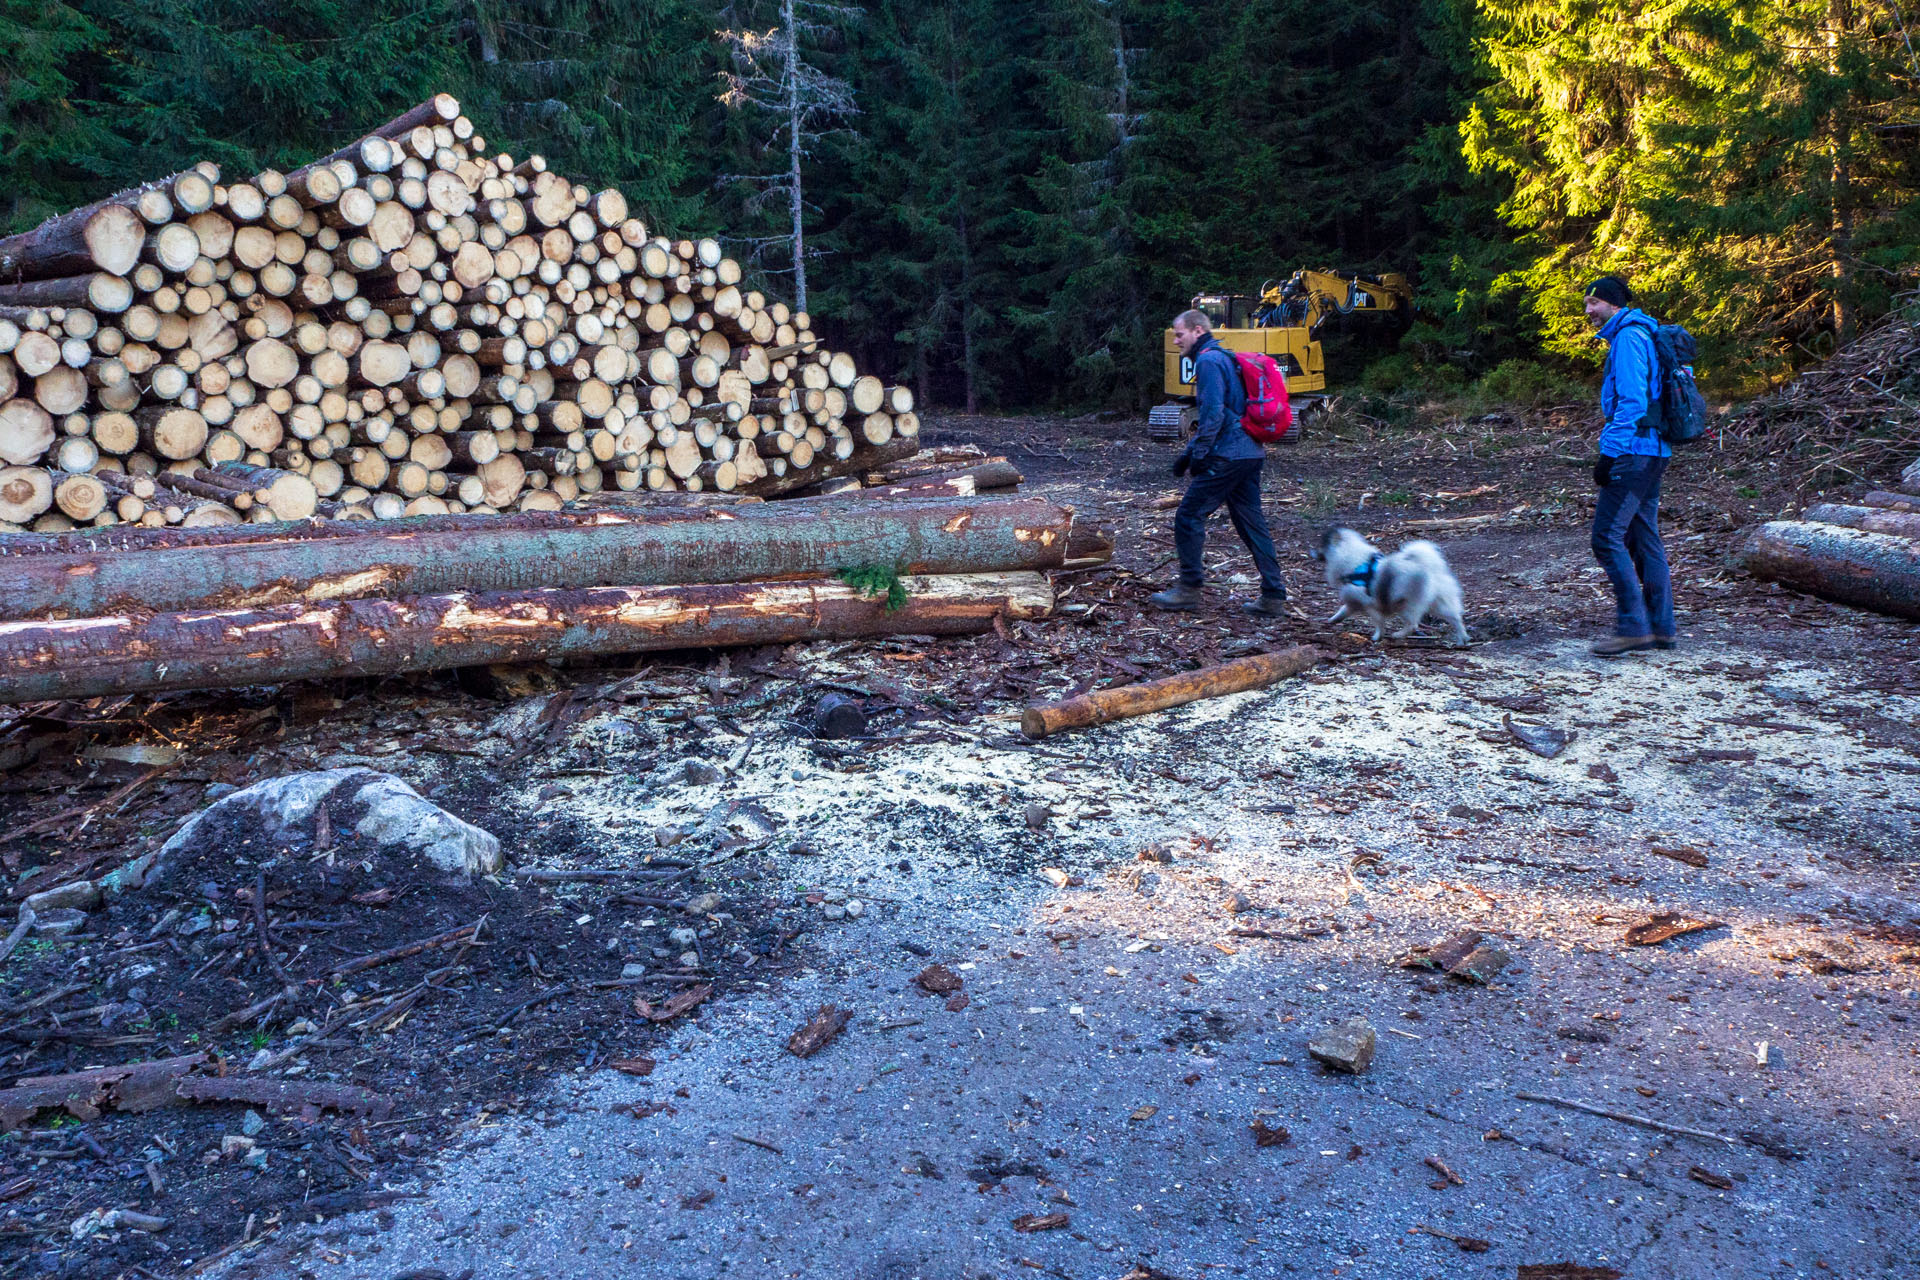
(772, 76)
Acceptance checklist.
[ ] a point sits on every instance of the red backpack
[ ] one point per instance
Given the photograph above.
(1269, 415)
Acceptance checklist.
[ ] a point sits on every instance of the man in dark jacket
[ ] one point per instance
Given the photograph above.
(1633, 459)
(1225, 463)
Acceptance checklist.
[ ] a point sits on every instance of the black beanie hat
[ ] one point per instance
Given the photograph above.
(1611, 290)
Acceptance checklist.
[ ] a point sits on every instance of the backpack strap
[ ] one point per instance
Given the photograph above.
(1234, 381)
(1641, 320)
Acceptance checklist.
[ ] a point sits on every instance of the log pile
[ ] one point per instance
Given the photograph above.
(413, 325)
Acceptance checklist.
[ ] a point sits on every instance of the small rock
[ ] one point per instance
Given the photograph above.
(234, 1144)
(81, 895)
(663, 953)
(1238, 903)
(1037, 815)
(834, 911)
(855, 908)
(1155, 853)
(252, 1122)
(670, 835)
(633, 969)
(1347, 1047)
(703, 904)
(301, 1027)
(835, 896)
(682, 937)
(218, 791)
(698, 773)
(689, 959)
(393, 816)
(803, 849)
(60, 922)
(1059, 879)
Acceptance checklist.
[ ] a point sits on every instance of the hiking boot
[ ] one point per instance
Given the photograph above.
(1614, 646)
(1666, 642)
(1179, 598)
(1269, 605)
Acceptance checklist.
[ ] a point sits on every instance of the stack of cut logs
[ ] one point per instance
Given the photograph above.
(1865, 553)
(408, 326)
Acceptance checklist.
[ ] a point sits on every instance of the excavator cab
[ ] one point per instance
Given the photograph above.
(1284, 320)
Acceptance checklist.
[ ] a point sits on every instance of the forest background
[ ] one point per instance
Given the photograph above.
(1022, 191)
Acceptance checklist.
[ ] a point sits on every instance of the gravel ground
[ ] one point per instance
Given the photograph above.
(1122, 1037)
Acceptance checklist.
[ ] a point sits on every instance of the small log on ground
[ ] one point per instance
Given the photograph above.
(1879, 571)
(251, 566)
(1120, 703)
(1893, 501)
(931, 462)
(83, 658)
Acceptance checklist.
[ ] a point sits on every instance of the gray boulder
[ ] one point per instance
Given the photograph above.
(384, 810)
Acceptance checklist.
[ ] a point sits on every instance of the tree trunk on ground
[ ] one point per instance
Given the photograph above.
(1901, 524)
(1877, 571)
(253, 566)
(41, 661)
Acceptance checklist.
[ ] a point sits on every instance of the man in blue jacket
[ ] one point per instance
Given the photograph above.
(1225, 463)
(1633, 458)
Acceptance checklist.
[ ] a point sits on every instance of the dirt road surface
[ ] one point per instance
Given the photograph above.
(1122, 1085)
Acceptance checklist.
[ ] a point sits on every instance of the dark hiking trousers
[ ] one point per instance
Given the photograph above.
(1234, 483)
(1626, 542)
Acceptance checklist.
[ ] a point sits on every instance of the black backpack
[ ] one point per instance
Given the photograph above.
(1680, 413)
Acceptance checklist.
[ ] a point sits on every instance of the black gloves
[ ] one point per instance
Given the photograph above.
(1183, 464)
(1602, 471)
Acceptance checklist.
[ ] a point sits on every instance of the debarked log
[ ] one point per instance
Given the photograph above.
(251, 566)
(1102, 705)
(1879, 571)
(86, 658)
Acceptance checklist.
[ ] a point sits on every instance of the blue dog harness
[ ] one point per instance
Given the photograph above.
(1363, 576)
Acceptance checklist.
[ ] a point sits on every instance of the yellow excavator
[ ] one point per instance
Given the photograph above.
(1284, 320)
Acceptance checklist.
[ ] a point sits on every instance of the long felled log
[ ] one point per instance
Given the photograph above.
(1102, 705)
(251, 566)
(1894, 501)
(1901, 524)
(225, 649)
(1879, 571)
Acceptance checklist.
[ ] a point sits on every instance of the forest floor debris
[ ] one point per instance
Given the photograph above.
(1369, 804)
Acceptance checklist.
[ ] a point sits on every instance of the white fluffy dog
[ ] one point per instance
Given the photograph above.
(1397, 591)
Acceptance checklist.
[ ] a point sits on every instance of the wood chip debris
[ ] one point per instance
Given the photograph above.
(1265, 1135)
(818, 1031)
(677, 1004)
(938, 980)
(1543, 740)
(1664, 927)
(1028, 1223)
(1680, 853)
